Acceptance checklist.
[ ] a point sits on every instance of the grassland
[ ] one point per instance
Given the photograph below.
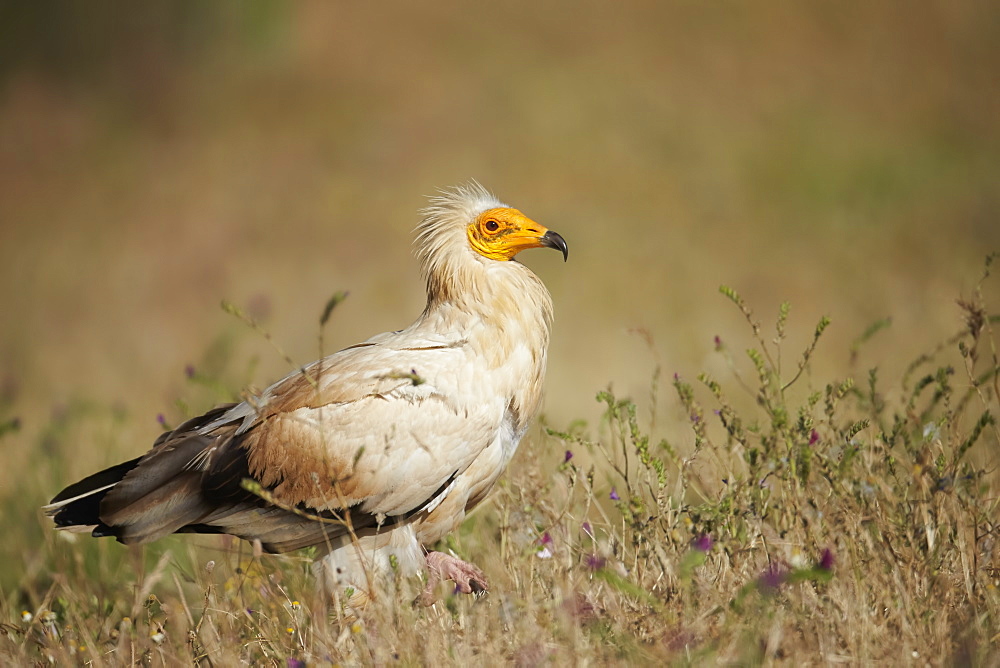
(843, 158)
(847, 520)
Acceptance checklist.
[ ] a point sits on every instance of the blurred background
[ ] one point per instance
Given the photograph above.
(157, 158)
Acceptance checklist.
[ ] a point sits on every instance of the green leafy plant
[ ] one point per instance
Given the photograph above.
(764, 514)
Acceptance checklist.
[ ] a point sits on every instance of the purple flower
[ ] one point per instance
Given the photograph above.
(292, 662)
(189, 370)
(614, 495)
(161, 419)
(596, 562)
(826, 560)
(772, 578)
(813, 437)
(587, 530)
(718, 342)
(569, 456)
(703, 543)
(543, 551)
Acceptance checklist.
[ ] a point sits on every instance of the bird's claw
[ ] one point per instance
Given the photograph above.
(468, 578)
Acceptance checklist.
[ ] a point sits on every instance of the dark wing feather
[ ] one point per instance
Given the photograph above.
(79, 504)
(171, 489)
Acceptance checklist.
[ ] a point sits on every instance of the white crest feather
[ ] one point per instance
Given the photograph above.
(439, 236)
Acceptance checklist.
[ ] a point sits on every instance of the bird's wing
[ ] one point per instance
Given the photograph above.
(382, 429)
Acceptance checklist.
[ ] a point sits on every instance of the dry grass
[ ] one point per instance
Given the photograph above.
(820, 522)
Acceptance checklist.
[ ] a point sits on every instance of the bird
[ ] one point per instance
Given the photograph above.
(376, 452)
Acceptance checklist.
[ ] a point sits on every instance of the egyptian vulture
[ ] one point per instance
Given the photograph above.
(375, 452)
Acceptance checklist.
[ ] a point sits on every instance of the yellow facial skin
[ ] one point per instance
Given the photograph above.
(502, 233)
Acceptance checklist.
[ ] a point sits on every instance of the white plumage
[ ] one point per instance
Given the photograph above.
(375, 451)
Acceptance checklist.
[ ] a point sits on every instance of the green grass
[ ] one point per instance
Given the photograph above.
(762, 516)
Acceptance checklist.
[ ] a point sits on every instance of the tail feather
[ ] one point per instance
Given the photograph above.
(78, 507)
(147, 497)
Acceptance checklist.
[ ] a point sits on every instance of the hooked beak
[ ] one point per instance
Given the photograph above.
(554, 240)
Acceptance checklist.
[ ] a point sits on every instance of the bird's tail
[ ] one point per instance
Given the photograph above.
(140, 499)
(190, 482)
(77, 508)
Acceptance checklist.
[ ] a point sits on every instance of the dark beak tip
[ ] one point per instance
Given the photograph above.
(555, 240)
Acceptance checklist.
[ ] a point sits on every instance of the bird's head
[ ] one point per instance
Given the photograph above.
(501, 233)
(466, 229)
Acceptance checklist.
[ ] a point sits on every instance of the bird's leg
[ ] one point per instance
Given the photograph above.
(468, 579)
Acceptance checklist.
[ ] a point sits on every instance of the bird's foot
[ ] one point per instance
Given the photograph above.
(468, 579)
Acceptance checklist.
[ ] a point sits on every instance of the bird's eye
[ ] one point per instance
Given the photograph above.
(491, 226)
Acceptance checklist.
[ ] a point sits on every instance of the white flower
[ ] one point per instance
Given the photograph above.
(932, 431)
